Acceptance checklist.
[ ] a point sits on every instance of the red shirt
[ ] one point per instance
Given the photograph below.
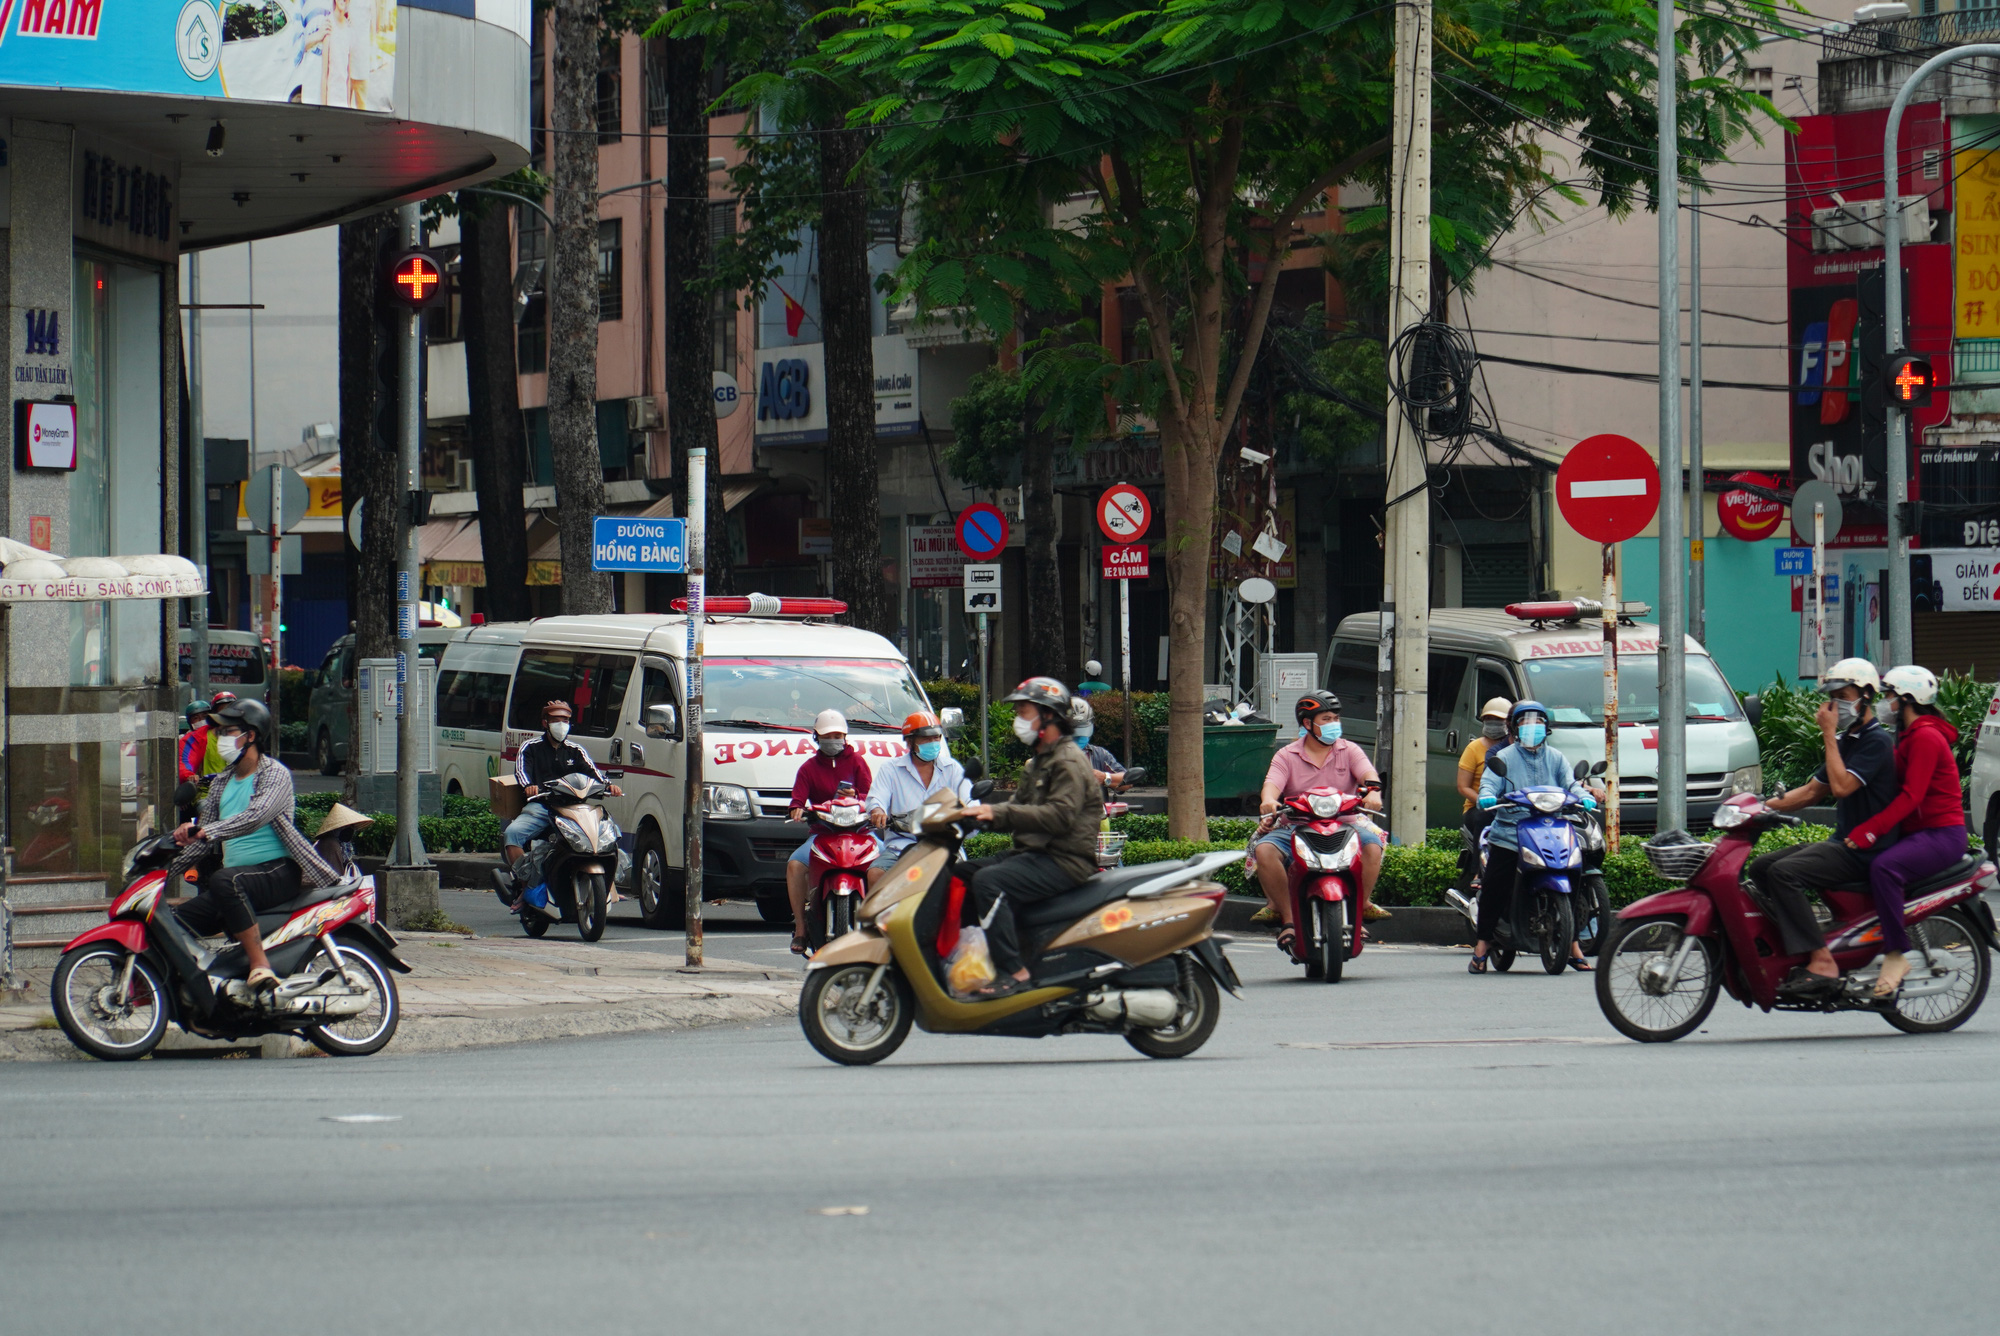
(1931, 797)
(819, 778)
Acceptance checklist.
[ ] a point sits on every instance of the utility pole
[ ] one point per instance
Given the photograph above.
(409, 851)
(1697, 489)
(697, 614)
(1406, 590)
(197, 488)
(1672, 810)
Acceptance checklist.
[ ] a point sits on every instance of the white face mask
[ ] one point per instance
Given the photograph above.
(558, 730)
(1025, 730)
(229, 747)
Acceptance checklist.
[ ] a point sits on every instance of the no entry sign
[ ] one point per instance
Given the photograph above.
(1608, 488)
(1123, 513)
(982, 531)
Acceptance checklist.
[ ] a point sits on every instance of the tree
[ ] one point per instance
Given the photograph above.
(1198, 132)
(572, 289)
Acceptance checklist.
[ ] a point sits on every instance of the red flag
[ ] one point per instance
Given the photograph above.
(795, 314)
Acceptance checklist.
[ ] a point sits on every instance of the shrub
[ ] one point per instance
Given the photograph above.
(949, 692)
(292, 736)
(294, 696)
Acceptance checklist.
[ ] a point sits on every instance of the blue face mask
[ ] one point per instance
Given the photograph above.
(1328, 733)
(929, 751)
(1083, 734)
(1532, 735)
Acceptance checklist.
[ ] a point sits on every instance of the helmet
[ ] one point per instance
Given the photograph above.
(1919, 684)
(1315, 702)
(1525, 707)
(220, 699)
(195, 709)
(555, 708)
(1046, 692)
(833, 721)
(1080, 712)
(1496, 708)
(1854, 673)
(1091, 668)
(252, 717)
(922, 724)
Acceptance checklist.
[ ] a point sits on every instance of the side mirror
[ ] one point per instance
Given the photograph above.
(1599, 768)
(974, 768)
(1753, 708)
(661, 721)
(1496, 765)
(982, 790)
(952, 717)
(1582, 770)
(1136, 775)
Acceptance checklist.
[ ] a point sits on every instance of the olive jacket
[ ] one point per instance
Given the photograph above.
(1057, 809)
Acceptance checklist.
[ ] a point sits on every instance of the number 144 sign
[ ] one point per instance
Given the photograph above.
(1131, 561)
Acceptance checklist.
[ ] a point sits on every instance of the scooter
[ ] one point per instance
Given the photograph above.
(1670, 956)
(118, 984)
(1325, 877)
(843, 847)
(1129, 952)
(565, 871)
(1555, 888)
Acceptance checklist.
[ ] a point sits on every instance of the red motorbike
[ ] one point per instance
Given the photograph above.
(843, 847)
(1325, 877)
(1670, 955)
(118, 984)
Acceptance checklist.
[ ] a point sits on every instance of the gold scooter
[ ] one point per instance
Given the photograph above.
(1129, 952)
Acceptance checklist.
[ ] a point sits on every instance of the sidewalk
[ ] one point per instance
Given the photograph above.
(465, 992)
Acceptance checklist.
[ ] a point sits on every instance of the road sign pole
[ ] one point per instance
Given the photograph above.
(1671, 811)
(1819, 591)
(410, 428)
(1125, 658)
(985, 728)
(697, 567)
(1610, 615)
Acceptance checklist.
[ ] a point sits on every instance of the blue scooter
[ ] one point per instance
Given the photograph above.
(1555, 836)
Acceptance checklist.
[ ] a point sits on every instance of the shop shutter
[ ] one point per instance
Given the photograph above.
(1496, 574)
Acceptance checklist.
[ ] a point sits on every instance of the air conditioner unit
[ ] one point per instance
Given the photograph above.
(643, 414)
(461, 476)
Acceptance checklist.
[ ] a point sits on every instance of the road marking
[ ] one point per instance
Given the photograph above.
(1579, 491)
(1453, 1043)
(364, 1118)
(843, 1210)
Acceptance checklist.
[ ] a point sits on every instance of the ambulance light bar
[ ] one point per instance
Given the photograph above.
(767, 605)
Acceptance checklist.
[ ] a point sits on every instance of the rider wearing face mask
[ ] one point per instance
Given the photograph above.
(1320, 757)
(819, 779)
(1472, 769)
(901, 786)
(1529, 761)
(1108, 768)
(1860, 773)
(540, 762)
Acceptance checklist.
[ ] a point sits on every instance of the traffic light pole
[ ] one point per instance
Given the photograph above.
(1671, 812)
(197, 465)
(1901, 647)
(409, 436)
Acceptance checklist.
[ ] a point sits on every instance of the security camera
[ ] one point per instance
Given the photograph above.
(1250, 456)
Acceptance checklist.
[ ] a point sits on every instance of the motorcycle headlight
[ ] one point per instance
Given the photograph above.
(573, 832)
(1324, 804)
(726, 802)
(844, 817)
(1529, 858)
(1547, 802)
(1745, 779)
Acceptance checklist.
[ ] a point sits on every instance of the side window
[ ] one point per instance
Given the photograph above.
(1350, 675)
(593, 684)
(471, 700)
(660, 685)
(490, 702)
(347, 667)
(1446, 685)
(1494, 680)
(454, 703)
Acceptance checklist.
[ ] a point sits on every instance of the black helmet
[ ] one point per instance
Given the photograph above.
(1048, 693)
(253, 717)
(1315, 702)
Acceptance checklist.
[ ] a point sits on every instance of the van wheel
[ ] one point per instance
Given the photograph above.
(662, 896)
(323, 754)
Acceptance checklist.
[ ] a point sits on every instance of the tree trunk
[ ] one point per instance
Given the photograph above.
(579, 468)
(690, 337)
(500, 440)
(1189, 459)
(846, 324)
(368, 475)
(1042, 653)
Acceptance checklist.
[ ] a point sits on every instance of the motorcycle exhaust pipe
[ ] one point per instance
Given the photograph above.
(1147, 1008)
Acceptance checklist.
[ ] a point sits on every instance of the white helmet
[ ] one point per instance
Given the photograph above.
(1852, 673)
(1919, 684)
(1092, 667)
(830, 721)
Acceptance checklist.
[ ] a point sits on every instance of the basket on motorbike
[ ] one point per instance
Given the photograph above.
(1110, 847)
(1677, 855)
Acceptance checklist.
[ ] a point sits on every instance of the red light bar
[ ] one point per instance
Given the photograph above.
(1554, 610)
(766, 605)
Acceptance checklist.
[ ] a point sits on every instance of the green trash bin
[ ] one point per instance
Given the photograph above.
(1234, 758)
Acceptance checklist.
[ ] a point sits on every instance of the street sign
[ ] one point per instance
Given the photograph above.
(935, 561)
(621, 544)
(1794, 560)
(982, 589)
(727, 396)
(1608, 488)
(1123, 513)
(1805, 498)
(1746, 515)
(1130, 561)
(982, 532)
(291, 490)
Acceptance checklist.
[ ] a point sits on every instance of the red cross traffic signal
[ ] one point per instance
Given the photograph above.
(1909, 381)
(416, 280)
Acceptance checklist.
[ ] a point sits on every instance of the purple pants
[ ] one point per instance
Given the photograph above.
(1912, 858)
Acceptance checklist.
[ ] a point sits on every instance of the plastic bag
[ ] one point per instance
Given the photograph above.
(622, 876)
(537, 896)
(970, 965)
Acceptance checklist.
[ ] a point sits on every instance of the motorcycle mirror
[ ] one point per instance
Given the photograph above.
(1583, 770)
(1496, 765)
(952, 718)
(975, 768)
(1599, 768)
(184, 795)
(1136, 775)
(981, 790)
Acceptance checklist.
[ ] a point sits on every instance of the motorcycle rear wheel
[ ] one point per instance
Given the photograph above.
(1201, 1007)
(358, 1036)
(1329, 950)
(593, 903)
(533, 922)
(1554, 928)
(1947, 931)
(830, 1014)
(1636, 1010)
(80, 994)
(1592, 912)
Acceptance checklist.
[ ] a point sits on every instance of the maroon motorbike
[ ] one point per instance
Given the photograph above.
(1670, 955)
(843, 847)
(1325, 877)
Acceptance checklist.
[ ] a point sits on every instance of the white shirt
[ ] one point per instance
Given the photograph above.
(898, 787)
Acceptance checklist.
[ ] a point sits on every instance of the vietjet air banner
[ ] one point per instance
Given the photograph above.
(334, 53)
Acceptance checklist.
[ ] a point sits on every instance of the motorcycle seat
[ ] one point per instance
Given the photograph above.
(1937, 881)
(314, 895)
(1100, 890)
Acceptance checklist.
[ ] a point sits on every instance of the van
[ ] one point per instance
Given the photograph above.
(332, 685)
(1983, 785)
(474, 673)
(765, 679)
(1554, 653)
(237, 661)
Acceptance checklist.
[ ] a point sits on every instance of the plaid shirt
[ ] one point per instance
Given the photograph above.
(271, 804)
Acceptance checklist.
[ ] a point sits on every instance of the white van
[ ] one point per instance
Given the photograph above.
(1554, 653)
(765, 679)
(1982, 815)
(474, 673)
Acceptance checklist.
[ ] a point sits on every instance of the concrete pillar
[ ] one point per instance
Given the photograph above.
(407, 896)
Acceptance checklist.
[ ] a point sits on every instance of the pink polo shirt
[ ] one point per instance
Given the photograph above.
(1293, 772)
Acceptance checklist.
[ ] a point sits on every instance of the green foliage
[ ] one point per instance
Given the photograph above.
(1227, 830)
(1351, 364)
(467, 826)
(1964, 700)
(1415, 876)
(294, 696)
(945, 692)
(986, 422)
(292, 736)
(1788, 740)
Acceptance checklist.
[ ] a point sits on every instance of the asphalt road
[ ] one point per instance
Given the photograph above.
(1413, 1151)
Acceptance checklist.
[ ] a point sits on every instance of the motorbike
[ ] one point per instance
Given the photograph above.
(843, 848)
(1669, 956)
(565, 871)
(120, 983)
(1559, 892)
(1325, 877)
(1129, 952)
(1111, 843)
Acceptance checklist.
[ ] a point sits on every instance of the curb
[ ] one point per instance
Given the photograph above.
(1409, 925)
(456, 872)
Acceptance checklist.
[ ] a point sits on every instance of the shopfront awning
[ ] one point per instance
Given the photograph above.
(30, 575)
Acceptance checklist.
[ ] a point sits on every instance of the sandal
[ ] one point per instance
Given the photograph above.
(799, 947)
(1477, 965)
(1288, 940)
(1581, 965)
(1374, 912)
(1004, 986)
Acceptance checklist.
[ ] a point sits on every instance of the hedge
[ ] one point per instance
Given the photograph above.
(1149, 746)
(467, 825)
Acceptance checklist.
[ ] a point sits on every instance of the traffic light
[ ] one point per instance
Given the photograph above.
(416, 280)
(1908, 381)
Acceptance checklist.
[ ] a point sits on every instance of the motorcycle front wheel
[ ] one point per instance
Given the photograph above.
(841, 1027)
(1633, 989)
(368, 1031)
(1554, 927)
(841, 917)
(593, 903)
(1329, 949)
(116, 1028)
(533, 922)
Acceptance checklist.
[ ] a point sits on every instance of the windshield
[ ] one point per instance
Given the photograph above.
(1573, 689)
(228, 665)
(873, 694)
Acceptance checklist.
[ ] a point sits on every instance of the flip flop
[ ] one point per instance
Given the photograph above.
(1581, 965)
(1477, 965)
(1004, 986)
(799, 947)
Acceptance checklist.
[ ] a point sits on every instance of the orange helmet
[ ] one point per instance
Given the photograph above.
(922, 724)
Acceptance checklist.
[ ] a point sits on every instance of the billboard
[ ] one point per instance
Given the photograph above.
(333, 53)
